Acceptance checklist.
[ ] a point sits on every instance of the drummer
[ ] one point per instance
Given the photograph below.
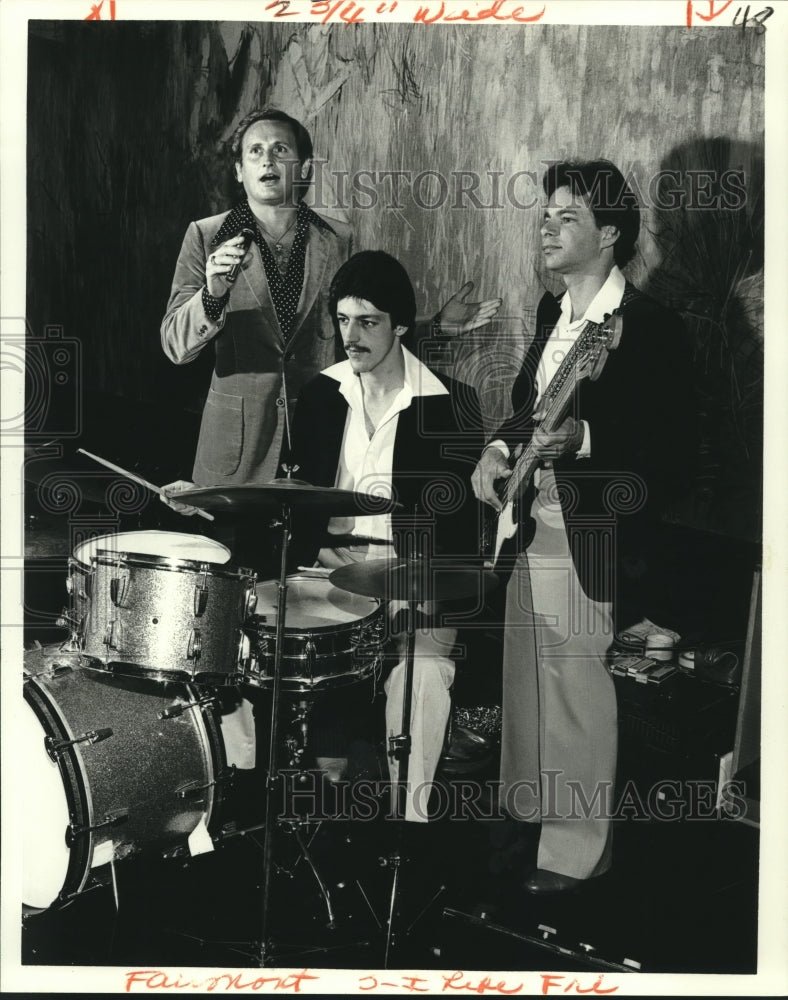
(382, 422)
(269, 328)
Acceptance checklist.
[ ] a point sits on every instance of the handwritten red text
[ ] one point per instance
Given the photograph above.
(457, 981)
(407, 983)
(558, 983)
(714, 10)
(95, 11)
(155, 979)
(499, 10)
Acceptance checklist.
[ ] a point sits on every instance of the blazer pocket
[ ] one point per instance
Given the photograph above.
(222, 433)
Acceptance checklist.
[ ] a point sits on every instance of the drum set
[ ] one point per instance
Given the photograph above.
(121, 723)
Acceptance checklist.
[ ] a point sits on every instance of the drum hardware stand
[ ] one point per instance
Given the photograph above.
(285, 492)
(272, 782)
(73, 643)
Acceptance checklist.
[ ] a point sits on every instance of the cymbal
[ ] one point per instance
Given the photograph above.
(295, 492)
(438, 579)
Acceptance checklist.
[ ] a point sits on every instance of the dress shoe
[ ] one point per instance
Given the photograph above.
(546, 883)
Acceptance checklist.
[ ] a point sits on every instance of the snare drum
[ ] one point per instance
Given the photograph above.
(111, 767)
(170, 609)
(332, 638)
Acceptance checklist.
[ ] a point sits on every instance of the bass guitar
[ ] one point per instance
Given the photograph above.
(585, 360)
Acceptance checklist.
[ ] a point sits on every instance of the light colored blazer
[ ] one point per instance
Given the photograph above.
(257, 376)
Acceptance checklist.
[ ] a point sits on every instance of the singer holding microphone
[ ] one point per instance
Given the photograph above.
(254, 282)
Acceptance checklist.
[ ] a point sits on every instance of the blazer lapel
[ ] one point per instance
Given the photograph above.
(318, 249)
(257, 286)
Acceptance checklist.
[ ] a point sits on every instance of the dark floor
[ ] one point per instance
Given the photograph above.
(681, 898)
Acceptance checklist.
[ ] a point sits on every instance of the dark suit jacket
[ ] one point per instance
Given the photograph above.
(435, 449)
(642, 418)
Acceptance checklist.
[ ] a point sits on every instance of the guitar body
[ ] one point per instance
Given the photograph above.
(499, 531)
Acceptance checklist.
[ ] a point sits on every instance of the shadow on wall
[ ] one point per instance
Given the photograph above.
(707, 224)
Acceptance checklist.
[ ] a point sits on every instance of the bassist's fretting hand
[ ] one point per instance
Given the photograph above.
(566, 439)
(491, 467)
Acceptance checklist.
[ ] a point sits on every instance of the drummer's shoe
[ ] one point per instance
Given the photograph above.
(334, 768)
(546, 883)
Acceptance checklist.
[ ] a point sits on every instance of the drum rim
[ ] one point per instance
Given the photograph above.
(296, 682)
(298, 632)
(75, 786)
(150, 531)
(170, 564)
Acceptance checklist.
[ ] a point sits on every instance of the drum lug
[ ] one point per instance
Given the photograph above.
(194, 648)
(73, 830)
(118, 586)
(201, 593)
(111, 639)
(57, 747)
(310, 650)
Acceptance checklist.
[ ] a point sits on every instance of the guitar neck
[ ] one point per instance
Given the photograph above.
(558, 396)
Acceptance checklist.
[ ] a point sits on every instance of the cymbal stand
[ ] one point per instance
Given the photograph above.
(400, 747)
(271, 782)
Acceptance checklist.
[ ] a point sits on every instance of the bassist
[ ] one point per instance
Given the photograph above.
(584, 560)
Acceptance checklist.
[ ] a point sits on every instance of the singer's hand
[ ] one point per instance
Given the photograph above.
(219, 263)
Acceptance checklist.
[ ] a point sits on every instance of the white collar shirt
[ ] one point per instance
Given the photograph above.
(566, 330)
(561, 340)
(365, 463)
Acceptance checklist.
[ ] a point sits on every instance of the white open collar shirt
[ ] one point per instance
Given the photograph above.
(365, 463)
(562, 339)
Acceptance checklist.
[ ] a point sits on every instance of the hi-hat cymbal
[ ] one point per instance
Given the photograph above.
(414, 579)
(294, 492)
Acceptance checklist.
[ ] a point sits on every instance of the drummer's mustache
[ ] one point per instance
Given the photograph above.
(356, 347)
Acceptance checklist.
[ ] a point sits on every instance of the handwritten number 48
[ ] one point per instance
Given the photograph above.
(717, 7)
(759, 18)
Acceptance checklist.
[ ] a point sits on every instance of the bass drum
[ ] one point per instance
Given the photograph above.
(111, 767)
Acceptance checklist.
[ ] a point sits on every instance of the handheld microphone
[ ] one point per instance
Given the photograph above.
(232, 274)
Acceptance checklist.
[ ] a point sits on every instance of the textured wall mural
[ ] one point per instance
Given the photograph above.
(432, 144)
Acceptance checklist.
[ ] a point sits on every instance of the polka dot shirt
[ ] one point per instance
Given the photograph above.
(285, 288)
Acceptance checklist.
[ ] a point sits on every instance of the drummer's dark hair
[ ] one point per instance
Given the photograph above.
(379, 278)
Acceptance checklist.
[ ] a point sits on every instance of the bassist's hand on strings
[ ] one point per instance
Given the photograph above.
(491, 467)
(565, 439)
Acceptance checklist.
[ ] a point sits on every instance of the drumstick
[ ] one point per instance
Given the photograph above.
(137, 479)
